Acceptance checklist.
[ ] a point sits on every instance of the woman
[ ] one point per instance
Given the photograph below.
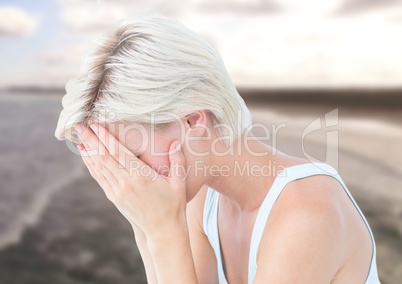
(164, 132)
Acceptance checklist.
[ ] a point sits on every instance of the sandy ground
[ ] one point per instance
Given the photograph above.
(368, 159)
(80, 237)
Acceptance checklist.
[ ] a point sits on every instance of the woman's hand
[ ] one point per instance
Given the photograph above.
(152, 201)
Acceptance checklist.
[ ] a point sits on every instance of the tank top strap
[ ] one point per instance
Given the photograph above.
(210, 225)
(287, 175)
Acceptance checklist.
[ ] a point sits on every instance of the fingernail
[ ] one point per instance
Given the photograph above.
(80, 147)
(95, 128)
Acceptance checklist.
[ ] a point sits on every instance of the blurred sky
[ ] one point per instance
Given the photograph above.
(273, 43)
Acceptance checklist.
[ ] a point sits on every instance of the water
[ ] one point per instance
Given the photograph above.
(30, 167)
(56, 225)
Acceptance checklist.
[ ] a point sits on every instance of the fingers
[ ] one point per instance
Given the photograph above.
(98, 152)
(106, 179)
(177, 175)
(118, 151)
(111, 144)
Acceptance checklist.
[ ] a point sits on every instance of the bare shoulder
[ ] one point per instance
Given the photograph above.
(314, 201)
(306, 234)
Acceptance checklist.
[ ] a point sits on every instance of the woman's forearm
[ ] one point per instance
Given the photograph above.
(171, 253)
(155, 205)
(145, 255)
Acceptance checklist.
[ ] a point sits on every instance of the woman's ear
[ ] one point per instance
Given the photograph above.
(197, 122)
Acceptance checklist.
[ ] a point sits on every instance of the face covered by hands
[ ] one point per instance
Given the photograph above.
(149, 201)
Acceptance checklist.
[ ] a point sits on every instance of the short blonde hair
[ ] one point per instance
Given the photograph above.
(151, 65)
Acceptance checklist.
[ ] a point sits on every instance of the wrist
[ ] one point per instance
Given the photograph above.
(171, 232)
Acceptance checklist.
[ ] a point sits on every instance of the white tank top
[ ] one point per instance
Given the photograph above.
(210, 218)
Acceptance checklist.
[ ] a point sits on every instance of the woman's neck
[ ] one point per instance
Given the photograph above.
(246, 173)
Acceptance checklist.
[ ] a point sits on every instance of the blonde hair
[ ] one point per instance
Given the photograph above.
(151, 65)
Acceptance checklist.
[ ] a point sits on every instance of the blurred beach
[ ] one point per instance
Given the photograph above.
(56, 225)
(323, 77)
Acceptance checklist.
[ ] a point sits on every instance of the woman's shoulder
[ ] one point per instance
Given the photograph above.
(309, 198)
(316, 219)
(309, 224)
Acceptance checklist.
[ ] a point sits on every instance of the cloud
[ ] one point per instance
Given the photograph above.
(88, 17)
(310, 7)
(357, 6)
(69, 55)
(15, 22)
(276, 46)
(59, 65)
(290, 50)
(239, 7)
